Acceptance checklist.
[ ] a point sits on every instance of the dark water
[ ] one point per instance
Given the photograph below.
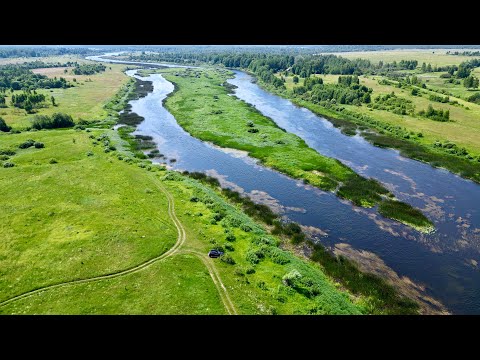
(442, 261)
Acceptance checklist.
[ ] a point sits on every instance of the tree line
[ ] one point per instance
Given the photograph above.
(41, 51)
(20, 77)
(88, 69)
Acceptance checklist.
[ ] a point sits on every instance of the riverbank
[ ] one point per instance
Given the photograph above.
(386, 135)
(202, 106)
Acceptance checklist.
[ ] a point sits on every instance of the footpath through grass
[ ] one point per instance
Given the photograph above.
(203, 107)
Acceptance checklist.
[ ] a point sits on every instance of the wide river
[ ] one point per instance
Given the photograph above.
(442, 265)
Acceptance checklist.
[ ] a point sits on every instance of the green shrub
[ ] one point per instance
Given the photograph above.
(7, 152)
(252, 257)
(290, 278)
(8, 164)
(278, 256)
(39, 145)
(3, 126)
(89, 153)
(229, 247)
(27, 144)
(227, 258)
(53, 161)
(245, 227)
(57, 120)
(230, 237)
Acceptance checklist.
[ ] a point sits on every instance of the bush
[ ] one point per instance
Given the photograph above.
(278, 256)
(27, 144)
(57, 120)
(3, 126)
(253, 130)
(39, 145)
(7, 152)
(227, 258)
(8, 164)
(290, 278)
(230, 237)
(229, 247)
(89, 153)
(252, 257)
(250, 270)
(53, 161)
(245, 227)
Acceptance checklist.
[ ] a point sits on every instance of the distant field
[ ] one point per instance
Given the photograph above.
(434, 56)
(85, 100)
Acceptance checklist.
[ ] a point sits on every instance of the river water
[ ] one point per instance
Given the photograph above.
(441, 265)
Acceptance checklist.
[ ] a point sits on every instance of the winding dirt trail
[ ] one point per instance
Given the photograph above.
(174, 249)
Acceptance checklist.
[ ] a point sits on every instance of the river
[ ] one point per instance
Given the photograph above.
(441, 265)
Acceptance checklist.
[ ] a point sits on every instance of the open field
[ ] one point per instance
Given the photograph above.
(85, 100)
(433, 56)
(66, 222)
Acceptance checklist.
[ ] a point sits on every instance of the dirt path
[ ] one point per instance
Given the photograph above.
(222, 290)
(180, 241)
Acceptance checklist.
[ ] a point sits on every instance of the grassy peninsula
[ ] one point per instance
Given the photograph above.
(202, 105)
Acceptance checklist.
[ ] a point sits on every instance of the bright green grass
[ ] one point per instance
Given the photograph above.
(86, 216)
(145, 292)
(81, 217)
(433, 56)
(85, 100)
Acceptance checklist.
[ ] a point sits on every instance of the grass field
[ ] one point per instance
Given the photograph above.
(66, 222)
(433, 56)
(85, 100)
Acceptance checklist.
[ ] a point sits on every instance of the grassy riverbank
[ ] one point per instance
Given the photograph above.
(203, 107)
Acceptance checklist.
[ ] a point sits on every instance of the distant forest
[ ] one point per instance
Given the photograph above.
(37, 51)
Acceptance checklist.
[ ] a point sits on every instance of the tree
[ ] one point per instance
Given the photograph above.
(470, 82)
(3, 126)
(53, 101)
(295, 79)
(463, 71)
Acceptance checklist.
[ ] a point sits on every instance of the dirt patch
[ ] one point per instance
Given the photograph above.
(53, 72)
